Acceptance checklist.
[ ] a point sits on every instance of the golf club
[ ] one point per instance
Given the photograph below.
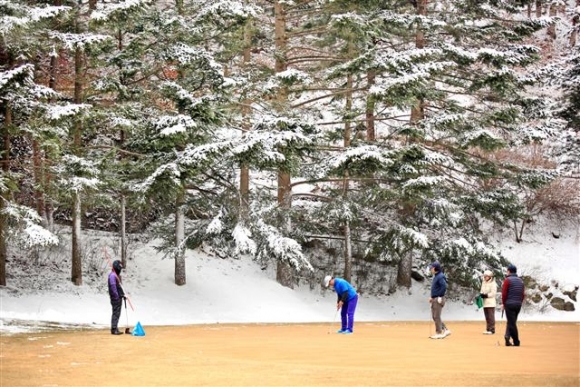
(333, 321)
(499, 330)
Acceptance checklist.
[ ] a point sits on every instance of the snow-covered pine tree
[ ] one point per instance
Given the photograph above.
(77, 39)
(459, 86)
(22, 101)
(570, 149)
(182, 171)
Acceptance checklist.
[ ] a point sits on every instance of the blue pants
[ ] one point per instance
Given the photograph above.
(347, 313)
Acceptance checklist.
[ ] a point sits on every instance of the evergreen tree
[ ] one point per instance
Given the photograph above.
(22, 101)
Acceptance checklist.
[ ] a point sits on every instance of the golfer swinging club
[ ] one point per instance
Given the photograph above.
(347, 300)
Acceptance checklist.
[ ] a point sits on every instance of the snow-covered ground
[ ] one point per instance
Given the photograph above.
(238, 291)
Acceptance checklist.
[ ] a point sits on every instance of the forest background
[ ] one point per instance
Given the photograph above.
(305, 134)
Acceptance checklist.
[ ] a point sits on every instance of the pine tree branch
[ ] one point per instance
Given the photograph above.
(326, 96)
(313, 58)
(340, 237)
(118, 150)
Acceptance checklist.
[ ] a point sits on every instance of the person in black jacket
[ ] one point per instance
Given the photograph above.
(116, 295)
(512, 297)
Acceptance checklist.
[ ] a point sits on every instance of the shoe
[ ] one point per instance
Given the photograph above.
(437, 336)
(116, 332)
(446, 332)
(347, 332)
(507, 342)
(342, 331)
(488, 333)
(516, 343)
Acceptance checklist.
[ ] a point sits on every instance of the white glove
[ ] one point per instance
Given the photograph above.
(439, 300)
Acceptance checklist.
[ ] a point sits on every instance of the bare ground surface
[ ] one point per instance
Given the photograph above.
(377, 354)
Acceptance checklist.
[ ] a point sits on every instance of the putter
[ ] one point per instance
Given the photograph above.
(127, 330)
(333, 321)
(498, 329)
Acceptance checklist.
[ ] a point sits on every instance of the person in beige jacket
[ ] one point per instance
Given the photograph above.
(488, 292)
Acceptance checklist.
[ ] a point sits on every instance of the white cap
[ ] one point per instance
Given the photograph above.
(488, 273)
(327, 280)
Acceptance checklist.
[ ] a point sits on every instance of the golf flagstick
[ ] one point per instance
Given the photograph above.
(127, 330)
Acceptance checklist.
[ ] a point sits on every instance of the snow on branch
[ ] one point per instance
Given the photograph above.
(228, 9)
(423, 181)
(28, 232)
(201, 154)
(410, 235)
(242, 238)
(366, 154)
(106, 11)
(72, 41)
(408, 20)
(78, 174)
(292, 76)
(174, 124)
(216, 226)
(282, 248)
(184, 54)
(39, 13)
(395, 60)
(22, 74)
(26, 16)
(57, 112)
(170, 170)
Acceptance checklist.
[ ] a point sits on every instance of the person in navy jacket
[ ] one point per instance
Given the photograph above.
(347, 300)
(512, 297)
(437, 300)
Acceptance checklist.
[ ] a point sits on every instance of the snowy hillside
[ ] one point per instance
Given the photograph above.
(238, 291)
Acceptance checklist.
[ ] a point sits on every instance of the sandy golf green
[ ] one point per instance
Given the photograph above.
(377, 354)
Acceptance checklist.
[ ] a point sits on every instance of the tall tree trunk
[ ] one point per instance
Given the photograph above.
(244, 170)
(347, 252)
(3, 248)
(280, 39)
(404, 269)
(5, 195)
(347, 142)
(417, 111)
(284, 272)
(529, 9)
(405, 265)
(123, 230)
(370, 108)
(180, 277)
(538, 8)
(38, 181)
(553, 11)
(574, 34)
(77, 266)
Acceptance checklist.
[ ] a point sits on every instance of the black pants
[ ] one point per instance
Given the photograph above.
(116, 304)
(511, 330)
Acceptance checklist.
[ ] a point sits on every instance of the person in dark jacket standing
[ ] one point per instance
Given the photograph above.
(117, 295)
(512, 297)
(347, 300)
(437, 300)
